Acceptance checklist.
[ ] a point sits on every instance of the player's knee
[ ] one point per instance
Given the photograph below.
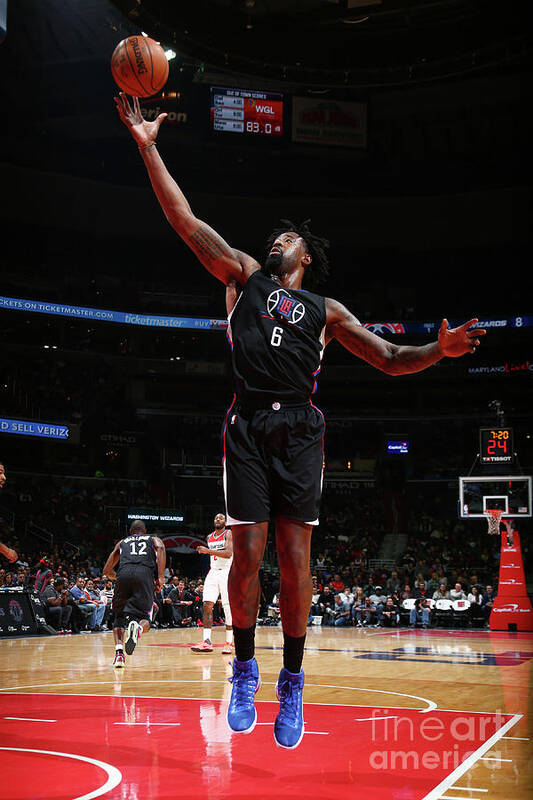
(249, 559)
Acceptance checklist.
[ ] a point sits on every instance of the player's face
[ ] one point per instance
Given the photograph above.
(220, 521)
(286, 253)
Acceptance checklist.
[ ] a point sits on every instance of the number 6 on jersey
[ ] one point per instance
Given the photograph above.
(277, 333)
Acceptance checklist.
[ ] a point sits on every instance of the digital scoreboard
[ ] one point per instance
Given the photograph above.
(245, 111)
(496, 445)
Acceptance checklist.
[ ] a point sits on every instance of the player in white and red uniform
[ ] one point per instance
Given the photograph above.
(220, 548)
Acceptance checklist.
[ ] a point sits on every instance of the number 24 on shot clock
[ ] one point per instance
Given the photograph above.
(496, 445)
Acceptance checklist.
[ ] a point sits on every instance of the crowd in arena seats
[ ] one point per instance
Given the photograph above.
(78, 597)
(443, 559)
(398, 596)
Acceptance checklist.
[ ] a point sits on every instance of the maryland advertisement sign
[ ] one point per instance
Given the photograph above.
(329, 122)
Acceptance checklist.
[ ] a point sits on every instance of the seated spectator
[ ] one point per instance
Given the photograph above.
(94, 597)
(442, 593)
(181, 600)
(358, 603)
(418, 590)
(405, 594)
(9, 580)
(420, 613)
(393, 583)
(43, 576)
(57, 610)
(325, 604)
(341, 612)
(197, 607)
(79, 597)
(106, 596)
(165, 616)
(273, 610)
(421, 584)
(366, 614)
(390, 616)
(476, 606)
(378, 599)
(457, 593)
(347, 596)
(487, 601)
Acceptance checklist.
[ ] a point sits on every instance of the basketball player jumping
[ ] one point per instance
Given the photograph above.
(220, 548)
(273, 433)
(6, 551)
(141, 562)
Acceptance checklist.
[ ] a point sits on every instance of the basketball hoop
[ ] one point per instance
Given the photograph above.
(494, 517)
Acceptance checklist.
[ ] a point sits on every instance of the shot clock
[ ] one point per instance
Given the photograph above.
(496, 445)
(245, 111)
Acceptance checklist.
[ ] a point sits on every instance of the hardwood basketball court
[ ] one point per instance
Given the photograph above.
(400, 714)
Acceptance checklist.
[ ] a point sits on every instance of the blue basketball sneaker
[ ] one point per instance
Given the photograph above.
(289, 724)
(242, 715)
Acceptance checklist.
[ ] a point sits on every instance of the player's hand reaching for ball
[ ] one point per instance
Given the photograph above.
(455, 342)
(144, 132)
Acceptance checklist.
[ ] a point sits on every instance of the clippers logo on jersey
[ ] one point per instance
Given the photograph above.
(282, 306)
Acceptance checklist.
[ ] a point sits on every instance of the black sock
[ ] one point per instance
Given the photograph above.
(293, 652)
(244, 643)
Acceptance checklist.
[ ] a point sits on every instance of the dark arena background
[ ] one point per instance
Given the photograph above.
(403, 131)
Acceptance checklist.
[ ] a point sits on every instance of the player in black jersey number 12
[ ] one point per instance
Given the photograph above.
(138, 563)
(273, 434)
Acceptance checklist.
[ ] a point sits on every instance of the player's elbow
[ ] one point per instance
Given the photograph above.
(389, 364)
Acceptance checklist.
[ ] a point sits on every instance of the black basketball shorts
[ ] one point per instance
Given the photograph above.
(134, 595)
(273, 460)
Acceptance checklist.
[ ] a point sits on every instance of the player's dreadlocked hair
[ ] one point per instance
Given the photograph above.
(318, 269)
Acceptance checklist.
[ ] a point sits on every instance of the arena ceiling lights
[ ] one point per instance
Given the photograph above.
(339, 43)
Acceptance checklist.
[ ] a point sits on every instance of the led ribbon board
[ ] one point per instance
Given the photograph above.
(46, 430)
(201, 323)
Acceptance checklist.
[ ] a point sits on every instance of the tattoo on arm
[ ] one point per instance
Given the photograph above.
(206, 245)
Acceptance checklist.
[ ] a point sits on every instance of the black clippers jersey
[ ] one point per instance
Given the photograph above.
(139, 551)
(277, 341)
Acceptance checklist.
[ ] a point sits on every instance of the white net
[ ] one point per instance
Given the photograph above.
(494, 517)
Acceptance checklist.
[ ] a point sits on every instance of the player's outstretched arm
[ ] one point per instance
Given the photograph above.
(394, 359)
(8, 552)
(109, 566)
(224, 262)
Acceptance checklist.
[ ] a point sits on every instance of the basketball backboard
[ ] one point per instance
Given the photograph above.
(510, 493)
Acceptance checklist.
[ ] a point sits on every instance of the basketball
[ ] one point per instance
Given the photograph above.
(139, 66)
